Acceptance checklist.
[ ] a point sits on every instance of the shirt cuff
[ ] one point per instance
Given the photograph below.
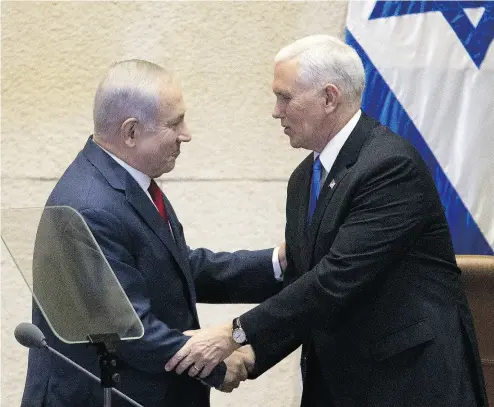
(278, 273)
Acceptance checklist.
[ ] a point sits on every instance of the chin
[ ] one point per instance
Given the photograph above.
(165, 170)
(294, 143)
(170, 166)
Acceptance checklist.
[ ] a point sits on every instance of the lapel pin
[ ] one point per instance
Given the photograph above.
(332, 183)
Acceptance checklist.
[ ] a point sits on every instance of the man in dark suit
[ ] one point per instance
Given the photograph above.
(138, 130)
(372, 290)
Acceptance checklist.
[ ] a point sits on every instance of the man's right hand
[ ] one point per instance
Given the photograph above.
(238, 365)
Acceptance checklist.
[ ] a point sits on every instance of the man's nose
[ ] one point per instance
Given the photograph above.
(276, 111)
(185, 135)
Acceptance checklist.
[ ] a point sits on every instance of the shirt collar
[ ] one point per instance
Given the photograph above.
(330, 152)
(142, 179)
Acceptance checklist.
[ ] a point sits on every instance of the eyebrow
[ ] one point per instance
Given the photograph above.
(177, 119)
(282, 93)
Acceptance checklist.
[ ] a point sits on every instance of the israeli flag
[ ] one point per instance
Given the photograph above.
(430, 78)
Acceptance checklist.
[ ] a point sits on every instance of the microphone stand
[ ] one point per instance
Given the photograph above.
(81, 369)
(106, 349)
(30, 336)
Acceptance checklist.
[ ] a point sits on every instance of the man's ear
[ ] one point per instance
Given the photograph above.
(129, 130)
(332, 97)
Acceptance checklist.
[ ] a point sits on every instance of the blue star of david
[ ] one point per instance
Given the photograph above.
(476, 40)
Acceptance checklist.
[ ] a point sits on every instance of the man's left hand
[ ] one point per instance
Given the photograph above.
(203, 351)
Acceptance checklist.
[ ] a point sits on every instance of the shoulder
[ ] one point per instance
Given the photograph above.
(384, 148)
(83, 187)
(390, 162)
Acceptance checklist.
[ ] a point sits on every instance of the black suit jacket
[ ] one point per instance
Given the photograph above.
(371, 289)
(163, 279)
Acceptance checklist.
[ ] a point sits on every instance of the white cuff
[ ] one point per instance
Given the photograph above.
(278, 273)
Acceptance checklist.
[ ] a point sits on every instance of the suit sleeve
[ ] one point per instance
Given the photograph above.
(388, 210)
(160, 342)
(274, 351)
(239, 277)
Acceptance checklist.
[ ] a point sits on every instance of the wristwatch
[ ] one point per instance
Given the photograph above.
(238, 334)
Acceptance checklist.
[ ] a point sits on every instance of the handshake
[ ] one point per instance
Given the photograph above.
(208, 347)
(239, 364)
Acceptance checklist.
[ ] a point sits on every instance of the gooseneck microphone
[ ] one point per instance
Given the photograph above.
(30, 336)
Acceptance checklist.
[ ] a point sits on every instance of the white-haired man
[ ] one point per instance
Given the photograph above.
(139, 128)
(371, 289)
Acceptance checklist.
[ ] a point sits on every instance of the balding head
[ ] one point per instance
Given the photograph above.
(130, 89)
(139, 116)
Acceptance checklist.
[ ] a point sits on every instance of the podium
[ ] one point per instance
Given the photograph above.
(71, 281)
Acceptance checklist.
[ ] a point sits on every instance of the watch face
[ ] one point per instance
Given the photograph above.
(238, 335)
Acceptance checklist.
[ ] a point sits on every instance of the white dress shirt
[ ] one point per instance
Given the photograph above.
(330, 152)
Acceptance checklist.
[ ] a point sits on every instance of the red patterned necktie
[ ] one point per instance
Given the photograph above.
(156, 194)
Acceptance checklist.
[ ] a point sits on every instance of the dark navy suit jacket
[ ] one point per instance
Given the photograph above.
(163, 279)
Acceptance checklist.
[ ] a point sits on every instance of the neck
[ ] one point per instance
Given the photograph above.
(112, 148)
(103, 142)
(334, 126)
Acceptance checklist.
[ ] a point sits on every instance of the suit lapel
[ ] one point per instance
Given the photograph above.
(182, 249)
(120, 179)
(145, 208)
(303, 184)
(143, 205)
(340, 169)
(323, 201)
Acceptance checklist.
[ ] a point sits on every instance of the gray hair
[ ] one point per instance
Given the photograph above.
(325, 59)
(130, 89)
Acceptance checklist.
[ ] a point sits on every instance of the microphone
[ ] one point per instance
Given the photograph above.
(30, 336)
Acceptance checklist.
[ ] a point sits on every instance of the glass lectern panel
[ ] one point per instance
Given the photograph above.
(65, 269)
